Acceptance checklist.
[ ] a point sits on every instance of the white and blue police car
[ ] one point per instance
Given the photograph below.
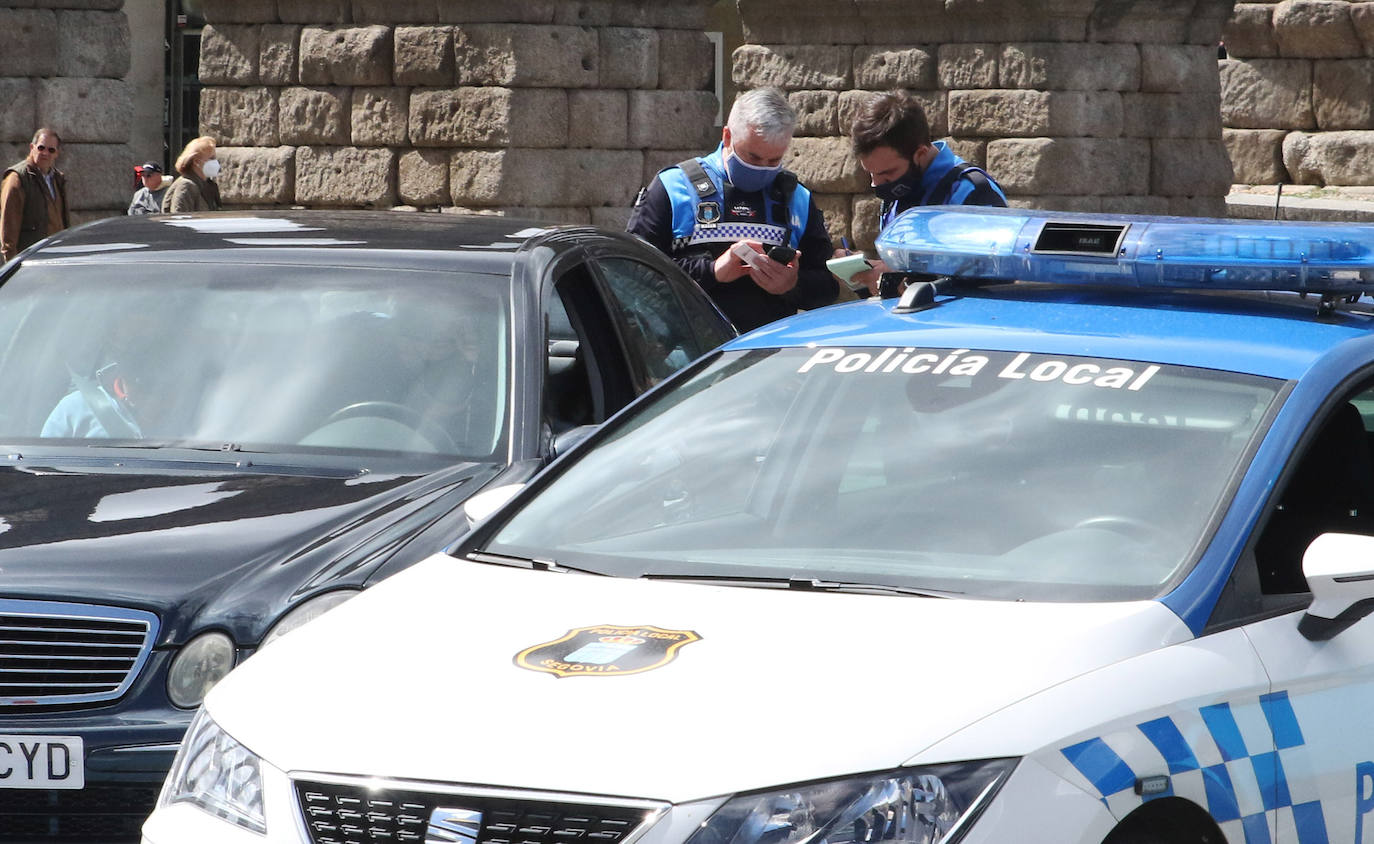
(1071, 540)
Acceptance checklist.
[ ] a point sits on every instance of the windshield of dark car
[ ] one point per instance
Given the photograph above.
(256, 358)
(983, 473)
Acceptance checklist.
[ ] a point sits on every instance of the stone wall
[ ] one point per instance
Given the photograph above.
(64, 64)
(546, 108)
(1110, 106)
(1298, 92)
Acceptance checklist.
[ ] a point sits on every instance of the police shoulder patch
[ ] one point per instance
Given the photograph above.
(708, 212)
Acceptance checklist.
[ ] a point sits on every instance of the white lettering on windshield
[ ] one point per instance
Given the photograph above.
(963, 362)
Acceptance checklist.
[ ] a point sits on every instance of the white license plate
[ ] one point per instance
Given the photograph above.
(41, 762)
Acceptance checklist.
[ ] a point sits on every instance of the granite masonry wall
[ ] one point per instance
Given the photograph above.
(65, 64)
(557, 110)
(1298, 92)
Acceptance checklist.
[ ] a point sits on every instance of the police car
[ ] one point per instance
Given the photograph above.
(1067, 540)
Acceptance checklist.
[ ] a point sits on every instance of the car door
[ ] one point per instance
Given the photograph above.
(1318, 778)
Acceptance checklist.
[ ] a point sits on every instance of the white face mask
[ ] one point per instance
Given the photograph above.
(210, 169)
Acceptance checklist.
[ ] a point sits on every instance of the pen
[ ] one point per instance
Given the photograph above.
(844, 241)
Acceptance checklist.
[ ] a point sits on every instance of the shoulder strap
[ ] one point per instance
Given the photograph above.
(696, 174)
(945, 186)
(983, 194)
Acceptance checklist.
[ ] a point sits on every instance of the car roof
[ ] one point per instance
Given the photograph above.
(342, 237)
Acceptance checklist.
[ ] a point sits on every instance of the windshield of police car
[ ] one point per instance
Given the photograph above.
(990, 474)
(254, 358)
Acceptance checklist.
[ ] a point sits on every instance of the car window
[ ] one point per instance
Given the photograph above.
(985, 473)
(658, 333)
(310, 359)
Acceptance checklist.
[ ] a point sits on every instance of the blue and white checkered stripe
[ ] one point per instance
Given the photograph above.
(1239, 760)
(731, 232)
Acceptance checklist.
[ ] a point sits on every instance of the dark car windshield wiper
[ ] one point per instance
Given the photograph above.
(804, 584)
(527, 563)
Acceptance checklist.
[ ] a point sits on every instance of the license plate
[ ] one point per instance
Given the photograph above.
(41, 762)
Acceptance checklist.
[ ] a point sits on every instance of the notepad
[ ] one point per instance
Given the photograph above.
(846, 266)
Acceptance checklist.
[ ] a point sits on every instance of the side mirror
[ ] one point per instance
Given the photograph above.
(488, 501)
(1340, 572)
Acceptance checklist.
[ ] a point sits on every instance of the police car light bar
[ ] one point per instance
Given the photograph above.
(1014, 244)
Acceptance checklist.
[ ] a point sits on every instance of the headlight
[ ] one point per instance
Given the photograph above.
(197, 667)
(217, 774)
(909, 806)
(307, 611)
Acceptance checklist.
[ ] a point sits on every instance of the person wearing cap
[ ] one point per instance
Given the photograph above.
(148, 198)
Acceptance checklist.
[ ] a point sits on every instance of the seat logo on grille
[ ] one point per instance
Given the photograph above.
(450, 825)
(604, 650)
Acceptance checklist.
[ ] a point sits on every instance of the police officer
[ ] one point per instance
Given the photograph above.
(698, 212)
(891, 137)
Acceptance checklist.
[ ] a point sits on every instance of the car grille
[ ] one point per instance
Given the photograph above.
(55, 654)
(348, 813)
(108, 814)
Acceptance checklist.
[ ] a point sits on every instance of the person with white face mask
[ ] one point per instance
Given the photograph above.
(196, 190)
(730, 218)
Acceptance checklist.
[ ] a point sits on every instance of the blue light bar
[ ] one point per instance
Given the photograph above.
(1014, 244)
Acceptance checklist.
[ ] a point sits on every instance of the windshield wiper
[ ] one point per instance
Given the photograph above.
(804, 584)
(527, 563)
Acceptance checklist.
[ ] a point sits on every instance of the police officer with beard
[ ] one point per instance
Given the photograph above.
(698, 212)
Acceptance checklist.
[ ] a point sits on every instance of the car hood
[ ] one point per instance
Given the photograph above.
(421, 678)
(182, 543)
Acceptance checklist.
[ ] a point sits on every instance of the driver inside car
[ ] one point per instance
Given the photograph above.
(110, 402)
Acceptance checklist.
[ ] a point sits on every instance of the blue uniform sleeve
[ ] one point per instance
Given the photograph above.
(652, 219)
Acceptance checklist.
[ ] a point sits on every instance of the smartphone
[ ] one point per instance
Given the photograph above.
(782, 254)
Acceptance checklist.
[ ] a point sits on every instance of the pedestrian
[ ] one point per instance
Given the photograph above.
(717, 216)
(891, 137)
(148, 198)
(33, 196)
(196, 189)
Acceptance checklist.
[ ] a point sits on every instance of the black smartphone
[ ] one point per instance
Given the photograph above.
(782, 254)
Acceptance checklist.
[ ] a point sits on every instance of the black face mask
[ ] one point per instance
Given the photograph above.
(901, 187)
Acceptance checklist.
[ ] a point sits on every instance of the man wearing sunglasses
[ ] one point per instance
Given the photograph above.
(33, 196)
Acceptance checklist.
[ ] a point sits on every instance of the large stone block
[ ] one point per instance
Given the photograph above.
(1072, 204)
(1362, 18)
(509, 176)
(826, 165)
(686, 60)
(380, 116)
(239, 11)
(793, 68)
(657, 159)
(424, 55)
(1071, 166)
(279, 54)
(1256, 155)
(313, 116)
(933, 103)
(1020, 113)
(93, 44)
(1179, 68)
(1330, 158)
(229, 54)
(523, 56)
(345, 55)
(18, 112)
(1070, 67)
(660, 119)
(817, 112)
(1192, 167)
(240, 116)
(1158, 22)
(92, 110)
(485, 11)
(1267, 94)
(864, 219)
(1341, 93)
(257, 175)
(347, 177)
(422, 177)
(98, 175)
(1249, 33)
(600, 177)
(615, 219)
(1316, 29)
(836, 208)
(628, 57)
(968, 65)
(884, 68)
(1212, 207)
(602, 119)
(28, 43)
(679, 14)
(1134, 204)
(583, 13)
(315, 11)
(1149, 115)
(799, 23)
(395, 11)
(489, 117)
